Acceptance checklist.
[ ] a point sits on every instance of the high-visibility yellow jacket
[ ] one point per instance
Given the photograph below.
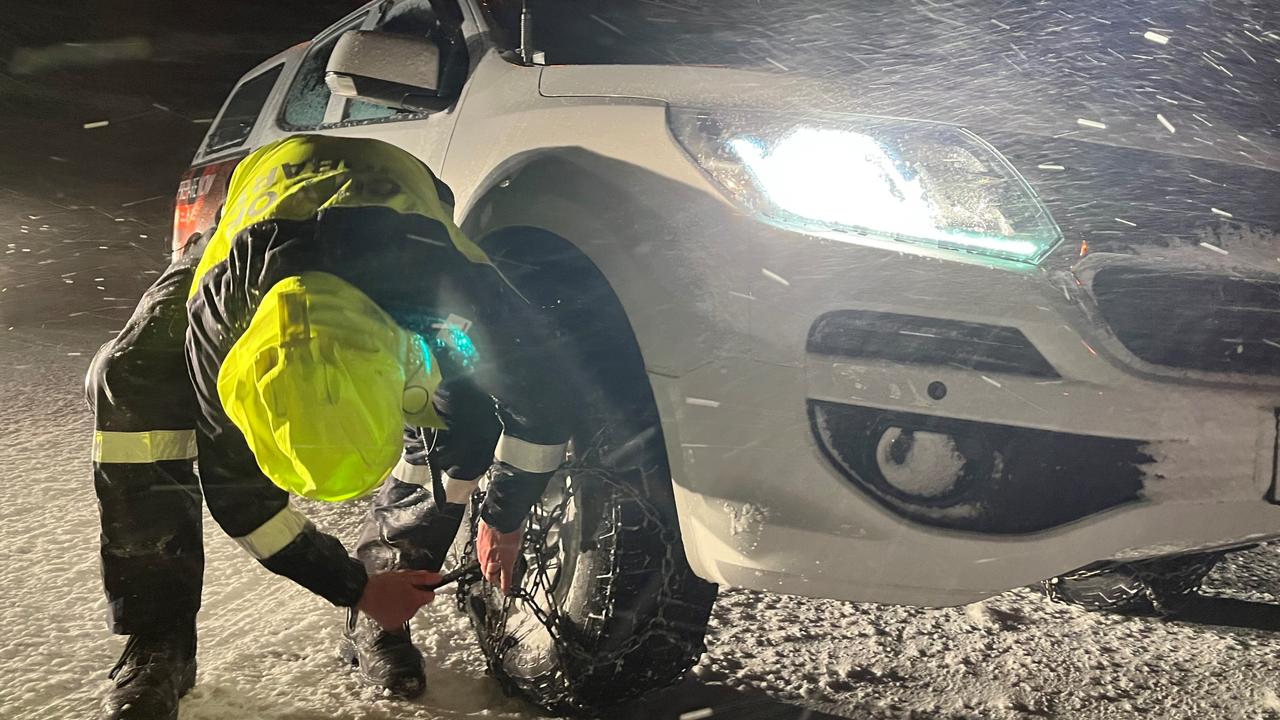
(374, 217)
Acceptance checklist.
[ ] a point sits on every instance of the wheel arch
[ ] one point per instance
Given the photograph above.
(658, 242)
(551, 271)
(665, 250)
(605, 356)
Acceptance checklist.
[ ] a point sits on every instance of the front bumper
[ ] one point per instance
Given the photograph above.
(765, 502)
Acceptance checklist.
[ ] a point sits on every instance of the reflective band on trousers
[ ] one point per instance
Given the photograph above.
(273, 535)
(143, 447)
(408, 473)
(527, 456)
(457, 491)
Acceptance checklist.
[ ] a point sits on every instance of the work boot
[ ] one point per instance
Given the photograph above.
(386, 659)
(155, 669)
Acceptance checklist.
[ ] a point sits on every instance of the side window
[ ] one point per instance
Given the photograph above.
(304, 107)
(241, 112)
(439, 20)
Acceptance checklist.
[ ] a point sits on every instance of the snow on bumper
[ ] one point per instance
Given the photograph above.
(762, 503)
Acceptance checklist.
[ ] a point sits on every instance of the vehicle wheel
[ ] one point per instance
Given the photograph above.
(604, 605)
(1144, 587)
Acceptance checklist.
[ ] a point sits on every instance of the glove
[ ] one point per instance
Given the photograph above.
(392, 598)
(497, 552)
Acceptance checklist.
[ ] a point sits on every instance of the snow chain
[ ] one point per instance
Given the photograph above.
(624, 509)
(1159, 585)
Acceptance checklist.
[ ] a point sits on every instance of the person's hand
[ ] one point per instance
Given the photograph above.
(391, 598)
(497, 552)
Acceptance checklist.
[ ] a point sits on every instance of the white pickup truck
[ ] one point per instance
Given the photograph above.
(958, 304)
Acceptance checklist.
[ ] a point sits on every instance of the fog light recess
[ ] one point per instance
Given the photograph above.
(927, 466)
(969, 475)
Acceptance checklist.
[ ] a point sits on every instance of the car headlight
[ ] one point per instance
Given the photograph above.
(854, 176)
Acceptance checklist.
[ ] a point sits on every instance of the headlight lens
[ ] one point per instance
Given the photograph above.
(906, 181)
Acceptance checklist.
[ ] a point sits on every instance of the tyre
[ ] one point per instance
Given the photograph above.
(1143, 587)
(604, 605)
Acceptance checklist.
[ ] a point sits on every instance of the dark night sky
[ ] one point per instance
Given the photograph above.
(196, 50)
(194, 53)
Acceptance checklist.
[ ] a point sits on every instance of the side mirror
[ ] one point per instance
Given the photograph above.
(399, 71)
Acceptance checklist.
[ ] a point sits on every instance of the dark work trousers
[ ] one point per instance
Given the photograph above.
(418, 510)
(144, 448)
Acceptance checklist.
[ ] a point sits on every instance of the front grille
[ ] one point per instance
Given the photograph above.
(1193, 320)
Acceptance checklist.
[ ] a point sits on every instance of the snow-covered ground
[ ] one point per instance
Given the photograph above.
(267, 647)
